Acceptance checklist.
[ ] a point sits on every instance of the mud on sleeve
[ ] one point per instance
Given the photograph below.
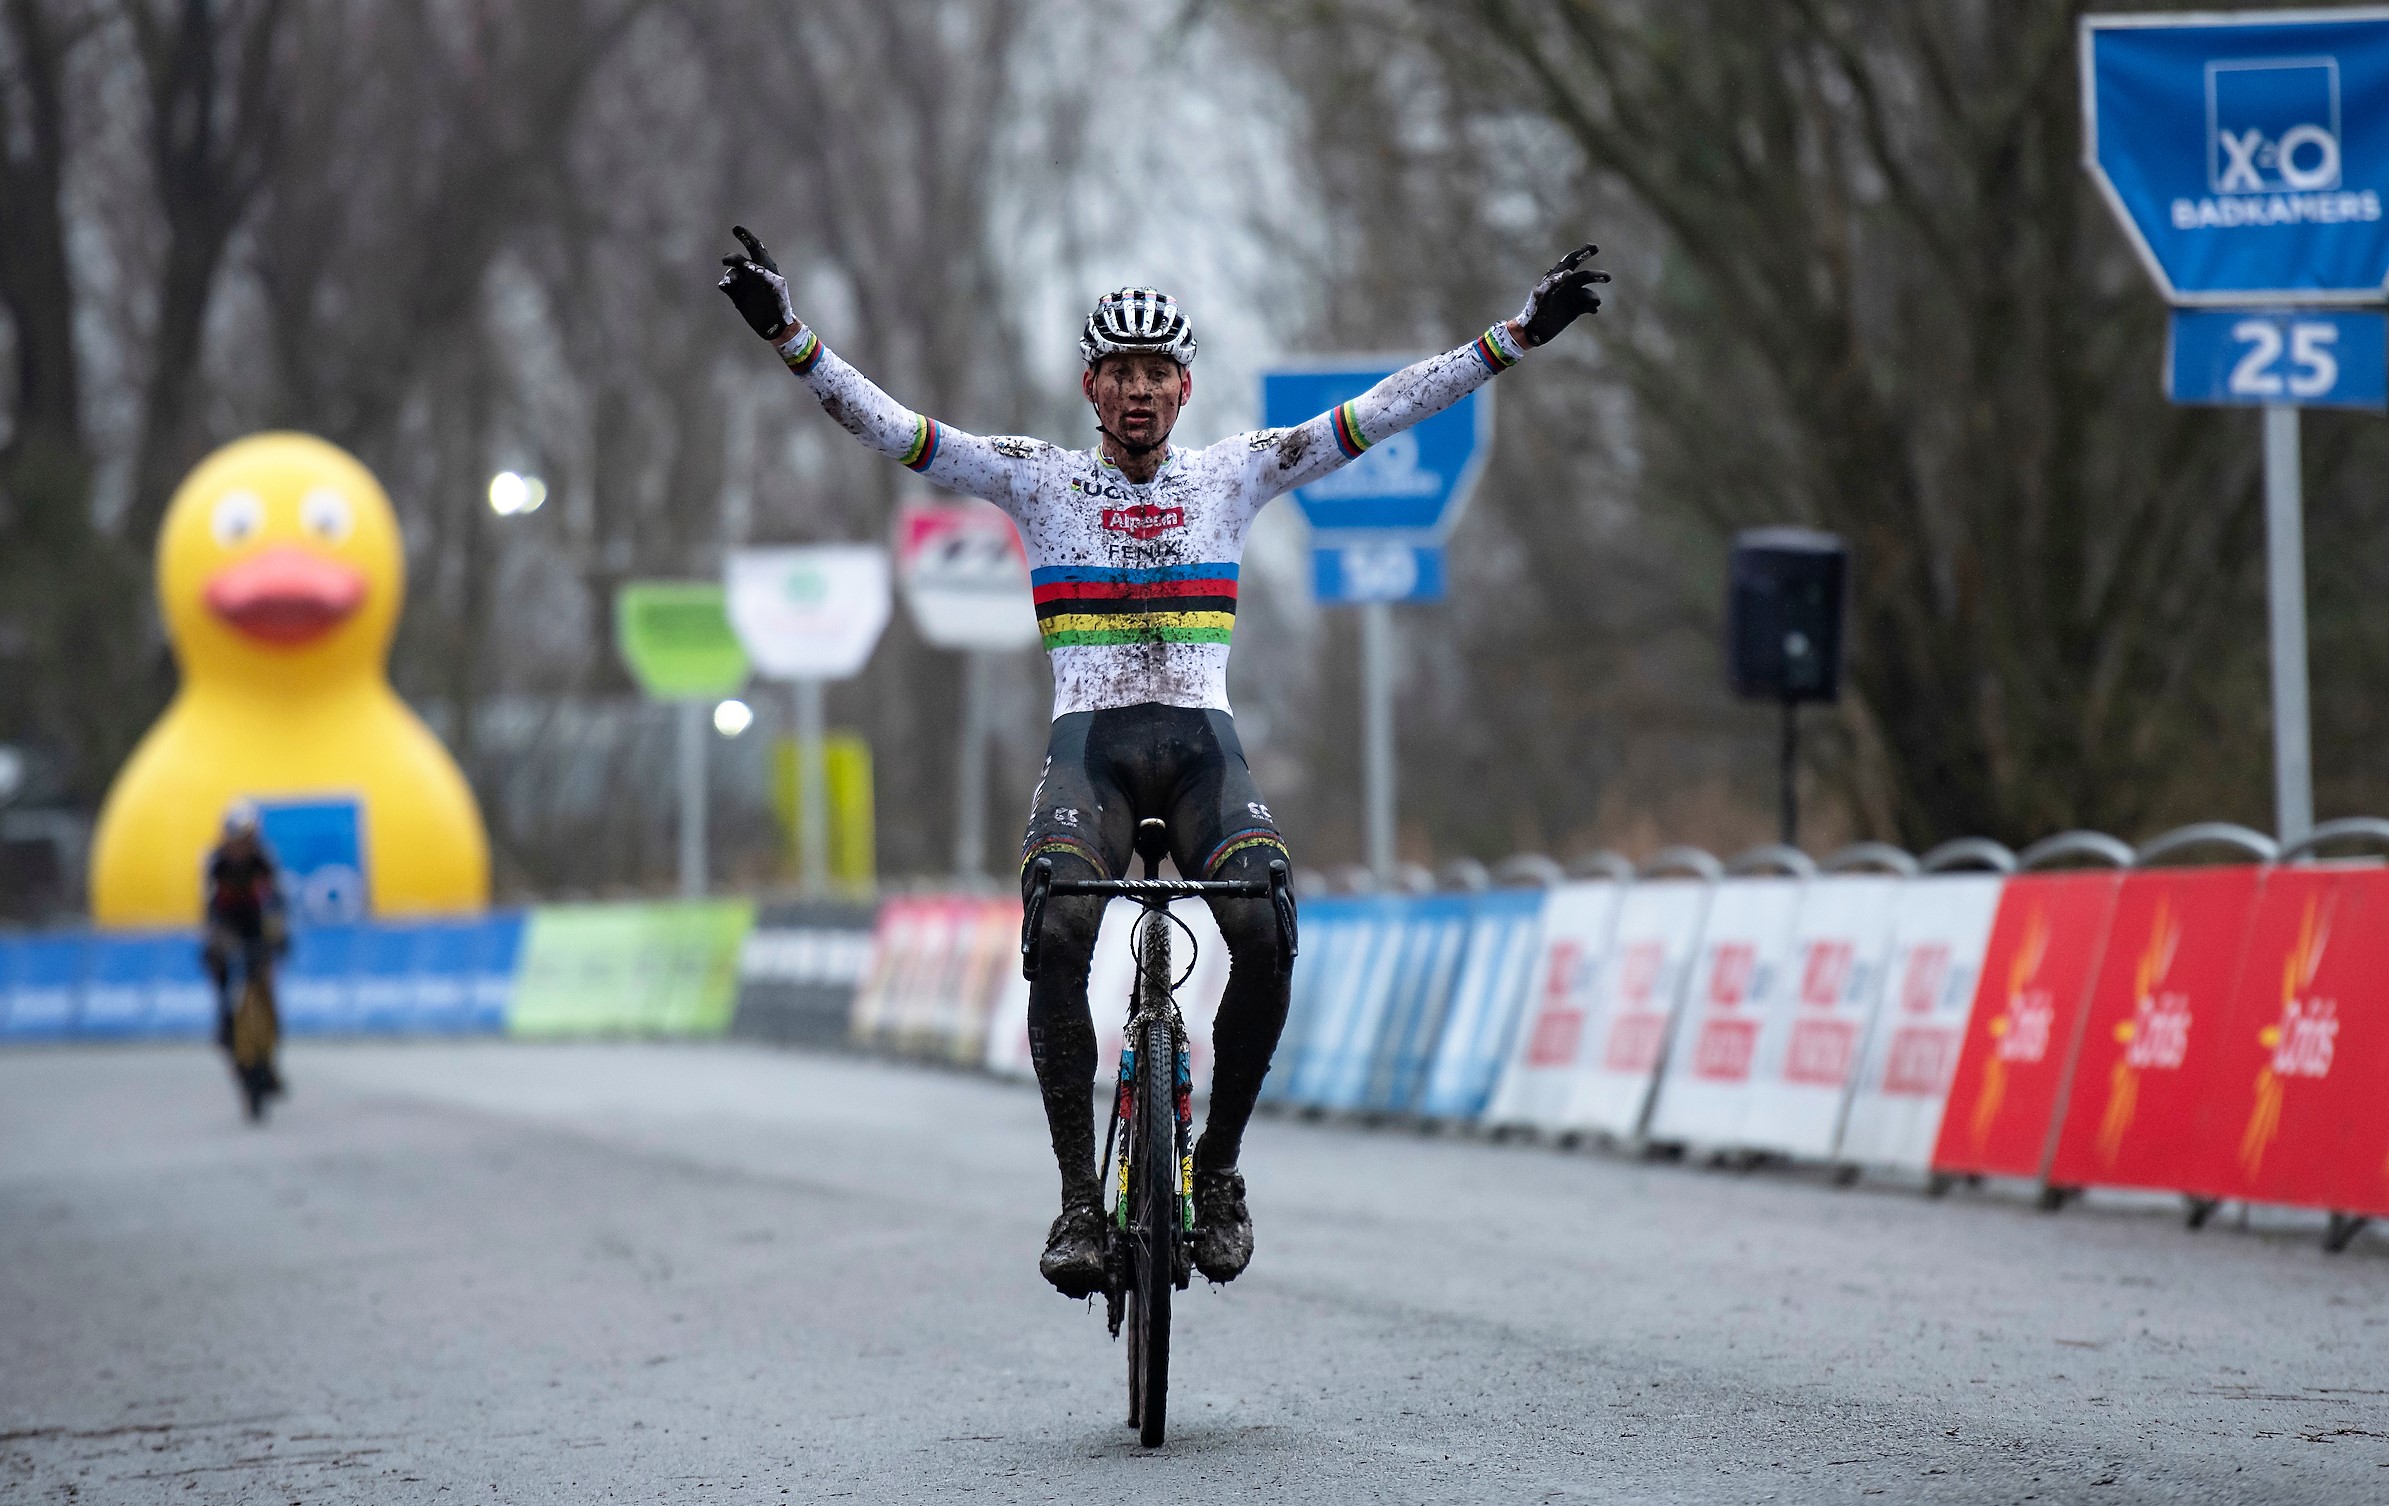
(1341, 435)
(996, 469)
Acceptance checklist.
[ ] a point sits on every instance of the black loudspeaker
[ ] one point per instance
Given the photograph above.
(1783, 633)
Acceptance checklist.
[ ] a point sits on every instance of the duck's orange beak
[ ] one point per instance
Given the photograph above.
(285, 594)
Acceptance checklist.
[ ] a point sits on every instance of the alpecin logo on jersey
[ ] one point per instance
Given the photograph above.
(1144, 520)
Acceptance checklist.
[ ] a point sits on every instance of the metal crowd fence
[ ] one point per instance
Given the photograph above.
(2082, 1014)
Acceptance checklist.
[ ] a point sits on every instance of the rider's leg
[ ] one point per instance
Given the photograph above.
(1062, 1033)
(1224, 830)
(1080, 823)
(1252, 1011)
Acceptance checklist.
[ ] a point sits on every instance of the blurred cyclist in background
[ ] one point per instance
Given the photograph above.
(1134, 546)
(244, 919)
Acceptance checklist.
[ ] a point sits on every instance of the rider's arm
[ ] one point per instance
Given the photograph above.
(1000, 470)
(951, 457)
(1301, 455)
(1345, 432)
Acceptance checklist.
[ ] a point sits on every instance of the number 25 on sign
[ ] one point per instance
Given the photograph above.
(2298, 357)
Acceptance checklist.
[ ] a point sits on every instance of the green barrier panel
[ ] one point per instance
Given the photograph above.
(635, 969)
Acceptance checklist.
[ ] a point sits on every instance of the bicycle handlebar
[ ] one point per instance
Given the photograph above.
(1151, 888)
(1278, 889)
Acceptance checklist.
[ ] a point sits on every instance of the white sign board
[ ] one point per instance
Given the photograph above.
(1736, 987)
(1808, 1046)
(965, 579)
(1534, 1086)
(1642, 982)
(1912, 1050)
(811, 613)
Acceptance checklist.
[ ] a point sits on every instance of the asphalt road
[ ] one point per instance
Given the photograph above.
(617, 1272)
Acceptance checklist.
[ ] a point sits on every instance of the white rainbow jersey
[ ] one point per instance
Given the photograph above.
(1136, 584)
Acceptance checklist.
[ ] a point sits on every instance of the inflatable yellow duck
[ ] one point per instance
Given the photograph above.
(280, 574)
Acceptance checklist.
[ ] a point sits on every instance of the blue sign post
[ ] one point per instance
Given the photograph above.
(2247, 157)
(1377, 530)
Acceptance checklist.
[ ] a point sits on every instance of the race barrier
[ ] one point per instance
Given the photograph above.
(668, 968)
(2217, 1031)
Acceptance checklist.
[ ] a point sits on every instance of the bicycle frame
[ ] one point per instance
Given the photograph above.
(1150, 1246)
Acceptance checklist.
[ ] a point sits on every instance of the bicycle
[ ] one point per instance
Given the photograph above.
(253, 1033)
(1148, 1255)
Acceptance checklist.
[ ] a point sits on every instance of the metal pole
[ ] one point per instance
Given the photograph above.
(970, 822)
(692, 799)
(1788, 771)
(812, 793)
(2285, 581)
(1377, 737)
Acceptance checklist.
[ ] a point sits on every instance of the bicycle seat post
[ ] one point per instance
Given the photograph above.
(1152, 840)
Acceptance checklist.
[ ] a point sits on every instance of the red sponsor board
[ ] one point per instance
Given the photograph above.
(2152, 1032)
(2020, 1037)
(2294, 1108)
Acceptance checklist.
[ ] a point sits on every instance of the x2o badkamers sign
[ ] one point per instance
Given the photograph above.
(2247, 154)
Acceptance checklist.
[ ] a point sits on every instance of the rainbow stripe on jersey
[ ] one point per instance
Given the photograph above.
(927, 434)
(1349, 439)
(1091, 604)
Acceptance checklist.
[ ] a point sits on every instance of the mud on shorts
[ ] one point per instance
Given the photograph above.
(1107, 770)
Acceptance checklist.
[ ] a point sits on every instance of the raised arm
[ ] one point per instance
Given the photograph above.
(995, 469)
(1301, 455)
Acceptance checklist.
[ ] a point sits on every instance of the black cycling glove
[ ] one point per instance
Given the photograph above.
(1563, 296)
(753, 282)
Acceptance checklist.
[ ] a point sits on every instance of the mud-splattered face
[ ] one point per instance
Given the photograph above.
(1137, 397)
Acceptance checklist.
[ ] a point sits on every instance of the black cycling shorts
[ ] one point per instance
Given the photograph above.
(1107, 770)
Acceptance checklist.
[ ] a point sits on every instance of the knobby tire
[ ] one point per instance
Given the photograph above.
(1154, 1211)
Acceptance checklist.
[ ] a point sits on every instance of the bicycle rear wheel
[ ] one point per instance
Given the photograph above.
(253, 1047)
(1153, 1233)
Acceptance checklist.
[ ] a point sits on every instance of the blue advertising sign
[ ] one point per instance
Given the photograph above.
(2247, 155)
(1410, 485)
(2306, 358)
(1377, 572)
(320, 847)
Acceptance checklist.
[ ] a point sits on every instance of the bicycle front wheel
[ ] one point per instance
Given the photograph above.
(1153, 1232)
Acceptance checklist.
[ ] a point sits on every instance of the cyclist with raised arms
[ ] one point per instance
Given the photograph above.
(1133, 547)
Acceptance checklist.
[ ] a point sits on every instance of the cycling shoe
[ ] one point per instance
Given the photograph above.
(1223, 1232)
(1074, 1249)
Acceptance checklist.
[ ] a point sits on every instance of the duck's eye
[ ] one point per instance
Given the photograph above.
(237, 518)
(326, 515)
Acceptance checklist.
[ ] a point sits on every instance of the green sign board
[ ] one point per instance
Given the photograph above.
(638, 969)
(675, 636)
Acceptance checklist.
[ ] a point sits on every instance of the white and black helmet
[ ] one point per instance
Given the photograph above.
(1137, 321)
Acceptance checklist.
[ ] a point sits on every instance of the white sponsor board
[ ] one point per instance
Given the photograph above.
(1736, 986)
(809, 614)
(965, 579)
(1911, 1051)
(1642, 982)
(1808, 1048)
(1561, 989)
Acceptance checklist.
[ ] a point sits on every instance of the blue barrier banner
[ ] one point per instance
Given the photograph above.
(316, 986)
(1329, 923)
(45, 987)
(446, 976)
(1480, 1028)
(1434, 934)
(1350, 1005)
